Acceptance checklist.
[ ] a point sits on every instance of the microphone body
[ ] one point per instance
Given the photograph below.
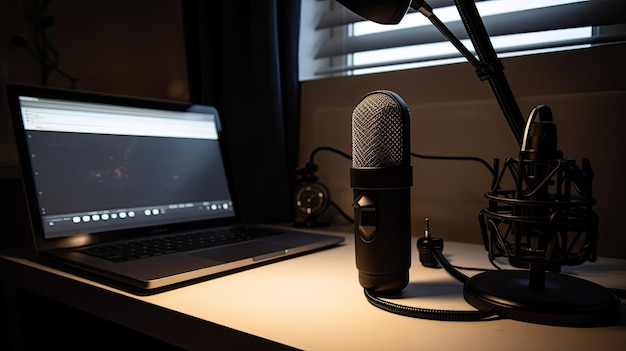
(536, 159)
(381, 177)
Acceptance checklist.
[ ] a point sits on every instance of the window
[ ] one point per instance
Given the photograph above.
(336, 41)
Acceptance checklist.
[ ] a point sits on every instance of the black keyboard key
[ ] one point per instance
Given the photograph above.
(179, 243)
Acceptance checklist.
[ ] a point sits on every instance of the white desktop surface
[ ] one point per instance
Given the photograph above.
(314, 302)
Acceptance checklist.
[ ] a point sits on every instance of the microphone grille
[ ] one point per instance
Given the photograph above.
(380, 131)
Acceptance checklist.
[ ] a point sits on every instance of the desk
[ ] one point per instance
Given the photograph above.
(314, 302)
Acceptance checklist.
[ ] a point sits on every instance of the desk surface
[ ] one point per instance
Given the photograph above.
(315, 302)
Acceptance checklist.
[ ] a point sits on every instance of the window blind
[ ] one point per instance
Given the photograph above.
(515, 27)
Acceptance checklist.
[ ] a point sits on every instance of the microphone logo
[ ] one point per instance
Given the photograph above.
(381, 177)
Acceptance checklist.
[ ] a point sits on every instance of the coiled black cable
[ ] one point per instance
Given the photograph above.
(431, 314)
(435, 314)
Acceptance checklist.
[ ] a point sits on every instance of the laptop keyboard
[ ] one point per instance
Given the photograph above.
(133, 250)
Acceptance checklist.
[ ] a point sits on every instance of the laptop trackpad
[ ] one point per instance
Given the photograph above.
(257, 249)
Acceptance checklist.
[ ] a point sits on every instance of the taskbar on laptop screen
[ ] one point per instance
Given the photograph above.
(115, 219)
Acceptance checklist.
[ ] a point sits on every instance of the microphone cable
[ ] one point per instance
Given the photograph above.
(313, 167)
(457, 158)
(343, 214)
(430, 251)
(432, 314)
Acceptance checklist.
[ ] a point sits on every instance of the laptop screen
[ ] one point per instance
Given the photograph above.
(101, 166)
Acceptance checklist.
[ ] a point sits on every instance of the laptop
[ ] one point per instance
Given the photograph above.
(137, 190)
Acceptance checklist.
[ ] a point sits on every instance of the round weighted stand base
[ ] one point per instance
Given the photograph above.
(564, 301)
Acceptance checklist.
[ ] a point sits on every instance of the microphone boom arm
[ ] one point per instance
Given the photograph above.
(427, 11)
(488, 66)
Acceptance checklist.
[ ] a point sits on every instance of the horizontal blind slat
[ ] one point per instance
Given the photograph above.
(596, 40)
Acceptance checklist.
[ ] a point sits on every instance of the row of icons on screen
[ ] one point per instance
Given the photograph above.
(146, 212)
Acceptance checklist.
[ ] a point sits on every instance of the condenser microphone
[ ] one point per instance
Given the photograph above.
(544, 222)
(381, 177)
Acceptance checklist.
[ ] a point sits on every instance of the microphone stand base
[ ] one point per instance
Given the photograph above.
(565, 300)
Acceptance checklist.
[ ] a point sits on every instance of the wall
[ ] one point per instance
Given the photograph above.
(122, 47)
(453, 113)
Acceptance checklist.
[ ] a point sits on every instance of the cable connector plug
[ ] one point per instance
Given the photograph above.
(425, 247)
